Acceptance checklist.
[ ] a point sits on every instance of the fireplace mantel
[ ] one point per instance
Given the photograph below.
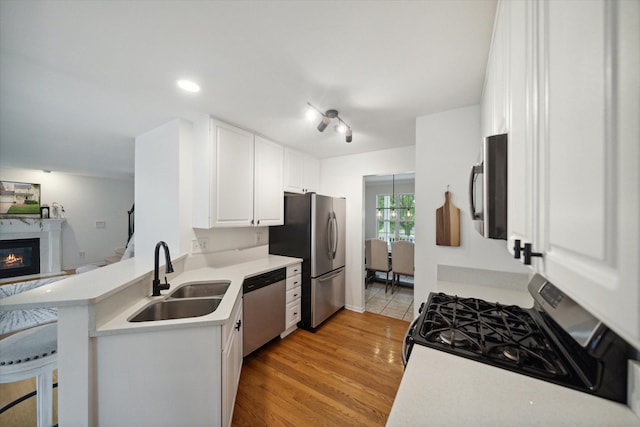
(49, 231)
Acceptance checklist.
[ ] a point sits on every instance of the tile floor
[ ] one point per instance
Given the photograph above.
(398, 305)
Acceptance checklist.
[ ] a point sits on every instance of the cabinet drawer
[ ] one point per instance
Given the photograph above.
(294, 294)
(293, 282)
(292, 270)
(293, 313)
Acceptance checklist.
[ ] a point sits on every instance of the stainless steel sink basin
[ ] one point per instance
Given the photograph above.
(197, 290)
(176, 309)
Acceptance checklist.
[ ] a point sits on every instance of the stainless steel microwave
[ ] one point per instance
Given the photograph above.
(488, 189)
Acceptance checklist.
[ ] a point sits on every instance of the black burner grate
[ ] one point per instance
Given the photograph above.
(505, 336)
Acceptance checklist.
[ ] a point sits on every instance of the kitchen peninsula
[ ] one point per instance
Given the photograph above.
(164, 372)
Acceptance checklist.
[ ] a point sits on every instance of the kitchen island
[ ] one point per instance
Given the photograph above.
(112, 369)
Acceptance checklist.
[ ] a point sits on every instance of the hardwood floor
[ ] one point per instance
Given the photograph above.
(347, 373)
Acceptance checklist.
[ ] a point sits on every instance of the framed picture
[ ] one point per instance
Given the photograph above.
(19, 199)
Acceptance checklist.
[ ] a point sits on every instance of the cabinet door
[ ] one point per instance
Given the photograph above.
(494, 96)
(521, 194)
(232, 365)
(311, 169)
(233, 204)
(293, 171)
(269, 193)
(589, 157)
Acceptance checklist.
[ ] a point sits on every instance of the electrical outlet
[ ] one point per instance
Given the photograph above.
(82, 254)
(200, 245)
(101, 224)
(257, 237)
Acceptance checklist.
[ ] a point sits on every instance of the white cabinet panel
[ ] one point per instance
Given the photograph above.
(237, 177)
(269, 193)
(589, 131)
(572, 113)
(234, 176)
(521, 170)
(301, 172)
(231, 363)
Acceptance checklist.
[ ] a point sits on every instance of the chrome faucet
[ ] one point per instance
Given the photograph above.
(157, 287)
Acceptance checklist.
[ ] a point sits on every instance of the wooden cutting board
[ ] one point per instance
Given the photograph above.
(448, 223)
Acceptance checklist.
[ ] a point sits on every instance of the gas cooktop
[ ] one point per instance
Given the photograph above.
(527, 341)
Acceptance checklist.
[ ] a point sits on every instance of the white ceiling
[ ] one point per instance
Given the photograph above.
(79, 80)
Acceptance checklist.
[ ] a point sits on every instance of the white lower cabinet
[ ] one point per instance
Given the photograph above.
(231, 361)
(174, 377)
(294, 294)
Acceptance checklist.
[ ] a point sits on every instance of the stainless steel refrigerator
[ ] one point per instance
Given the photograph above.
(314, 230)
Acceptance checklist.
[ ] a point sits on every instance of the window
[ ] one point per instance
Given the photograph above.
(396, 221)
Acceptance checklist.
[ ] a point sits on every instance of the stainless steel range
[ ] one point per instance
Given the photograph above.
(556, 340)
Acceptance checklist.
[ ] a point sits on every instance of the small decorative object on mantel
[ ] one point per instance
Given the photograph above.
(44, 212)
(448, 223)
(57, 210)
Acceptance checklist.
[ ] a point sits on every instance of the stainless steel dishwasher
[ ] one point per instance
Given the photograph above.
(264, 308)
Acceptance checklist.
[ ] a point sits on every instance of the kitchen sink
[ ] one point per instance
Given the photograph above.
(176, 309)
(197, 290)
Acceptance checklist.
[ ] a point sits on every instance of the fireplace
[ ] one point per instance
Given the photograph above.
(19, 257)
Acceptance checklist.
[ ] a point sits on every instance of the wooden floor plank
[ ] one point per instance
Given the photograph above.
(347, 373)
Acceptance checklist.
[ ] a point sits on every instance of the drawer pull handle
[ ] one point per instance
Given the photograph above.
(295, 295)
(238, 323)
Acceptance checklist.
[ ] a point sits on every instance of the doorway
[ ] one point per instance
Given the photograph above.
(389, 215)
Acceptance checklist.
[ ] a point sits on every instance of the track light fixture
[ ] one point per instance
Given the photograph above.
(327, 116)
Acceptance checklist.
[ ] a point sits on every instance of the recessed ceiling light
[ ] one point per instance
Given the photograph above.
(188, 85)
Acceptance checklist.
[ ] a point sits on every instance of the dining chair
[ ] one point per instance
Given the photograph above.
(377, 258)
(403, 263)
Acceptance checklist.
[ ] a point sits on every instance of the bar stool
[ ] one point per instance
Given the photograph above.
(32, 353)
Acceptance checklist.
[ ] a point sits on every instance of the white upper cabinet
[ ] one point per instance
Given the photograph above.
(301, 172)
(589, 151)
(571, 114)
(269, 194)
(520, 126)
(225, 173)
(495, 94)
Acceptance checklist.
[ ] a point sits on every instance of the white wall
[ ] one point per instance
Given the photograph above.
(447, 145)
(344, 177)
(163, 189)
(85, 200)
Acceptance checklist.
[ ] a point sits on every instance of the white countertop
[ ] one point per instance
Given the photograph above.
(97, 285)
(234, 273)
(86, 288)
(441, 389)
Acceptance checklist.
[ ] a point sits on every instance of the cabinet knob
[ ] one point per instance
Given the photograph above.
(295, 295)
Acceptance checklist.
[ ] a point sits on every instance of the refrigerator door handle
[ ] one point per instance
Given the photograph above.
(330, 276)
(335, 235)
(330, 235)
